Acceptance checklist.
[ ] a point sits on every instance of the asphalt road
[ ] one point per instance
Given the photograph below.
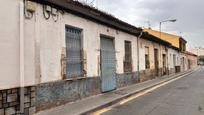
(182, 97)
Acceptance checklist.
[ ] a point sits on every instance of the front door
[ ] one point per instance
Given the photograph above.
(108, 65)
(164, 64)
(156, 60)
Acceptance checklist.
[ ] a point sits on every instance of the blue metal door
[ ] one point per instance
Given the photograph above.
(108, 65)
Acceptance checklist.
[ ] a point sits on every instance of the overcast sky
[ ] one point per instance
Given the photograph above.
(141, 13)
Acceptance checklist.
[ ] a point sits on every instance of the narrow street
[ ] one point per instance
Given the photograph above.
(184, 96)
(101, 57)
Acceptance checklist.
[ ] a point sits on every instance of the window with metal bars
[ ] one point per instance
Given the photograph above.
(147, 61)
(174, 60)
(74, 66)
(128, 57)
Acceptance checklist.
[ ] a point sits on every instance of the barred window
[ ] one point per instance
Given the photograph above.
(147, 61)
(128, 57)
(74, 66)
(174, 59)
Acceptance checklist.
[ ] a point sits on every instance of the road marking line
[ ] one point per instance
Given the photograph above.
(101, 111)
(147, 91)
(137, 95)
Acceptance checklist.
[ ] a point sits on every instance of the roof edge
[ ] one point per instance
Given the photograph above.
(153, 38)
(85, 11)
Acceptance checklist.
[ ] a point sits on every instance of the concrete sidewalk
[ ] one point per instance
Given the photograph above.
(96, 102)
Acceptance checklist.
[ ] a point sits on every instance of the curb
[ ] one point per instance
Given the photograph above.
(136, 92)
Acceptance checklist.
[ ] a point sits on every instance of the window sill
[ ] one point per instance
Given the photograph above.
(74, 78)
(78, 78)
(128, 72)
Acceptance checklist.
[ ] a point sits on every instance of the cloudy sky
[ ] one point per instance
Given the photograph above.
(142, 13)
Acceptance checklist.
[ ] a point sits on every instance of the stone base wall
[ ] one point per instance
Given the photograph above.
(48, 95)
(10, 101)
(161, 72)
(58, 93)
(150, 74)
(147, 75)
(172, 71)
(177, 69)
(54, 94)
(164, 71)
(127, 79)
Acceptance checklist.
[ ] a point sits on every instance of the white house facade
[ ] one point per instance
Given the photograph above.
(58, 51)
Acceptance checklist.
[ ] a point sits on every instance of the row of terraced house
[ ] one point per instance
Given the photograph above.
(58, 51)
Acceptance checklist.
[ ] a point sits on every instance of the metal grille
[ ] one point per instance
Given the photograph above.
(156, 61)
(174, 60)
(74, 53)
(128, 57)
(147, 61)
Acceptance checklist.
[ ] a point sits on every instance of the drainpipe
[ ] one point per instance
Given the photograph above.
(22, 69)
(138, 54)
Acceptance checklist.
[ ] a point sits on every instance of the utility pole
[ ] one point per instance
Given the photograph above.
(160, 35)
(149, 25)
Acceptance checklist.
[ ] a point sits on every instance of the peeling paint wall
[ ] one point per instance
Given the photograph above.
(45, 55)
(44, 44)
(52, 40)
(127, 79)
(170, 67)
(147, 75)
(58, 93)
(193, 61)
(171, 53)
(152, 45)
(152, 72)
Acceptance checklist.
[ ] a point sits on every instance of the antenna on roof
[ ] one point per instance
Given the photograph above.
(88, 2)
(149, 24)
(96, 3)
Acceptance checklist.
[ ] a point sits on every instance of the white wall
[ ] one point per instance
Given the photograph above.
(172, 52)
(184, 64)
(51, 47)
(45, 40)
(152, 45)
(52, 39)
(9, 46)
